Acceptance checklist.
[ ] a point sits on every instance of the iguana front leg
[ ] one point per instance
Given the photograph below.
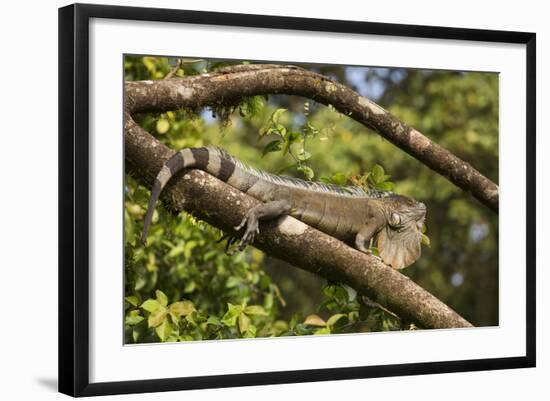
(264, 211)
(364, 235)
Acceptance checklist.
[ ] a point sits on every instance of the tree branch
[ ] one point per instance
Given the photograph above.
(229, 85)
(289, 239)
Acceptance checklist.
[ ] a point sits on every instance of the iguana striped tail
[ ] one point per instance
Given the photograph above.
(199, 158)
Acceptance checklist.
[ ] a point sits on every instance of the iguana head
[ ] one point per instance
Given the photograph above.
(399, 240)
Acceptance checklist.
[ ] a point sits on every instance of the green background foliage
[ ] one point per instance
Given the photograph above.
(182, 286)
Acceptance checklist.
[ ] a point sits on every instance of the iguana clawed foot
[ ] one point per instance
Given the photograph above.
(252, 229)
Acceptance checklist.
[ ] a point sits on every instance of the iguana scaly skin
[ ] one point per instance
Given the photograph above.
(350, 214)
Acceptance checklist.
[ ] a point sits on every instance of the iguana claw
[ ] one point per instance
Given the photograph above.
(230, 241)
(243, 222)
(252, 229)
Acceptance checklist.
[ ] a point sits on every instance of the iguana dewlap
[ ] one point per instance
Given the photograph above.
(350, 214)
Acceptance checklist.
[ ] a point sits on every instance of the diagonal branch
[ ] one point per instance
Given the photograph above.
(289, 239)
(229, 85)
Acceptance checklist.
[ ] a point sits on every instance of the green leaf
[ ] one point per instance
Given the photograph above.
(214, 321)
(161, 297)
(307, 171)
(189, 287)
(132, 300)
(244, 322)
(135, 335)
(268, 301)
(250, 331)
(315, 320)
(385, 186)
(276, 115)
(336, 291)
(163, 126)
(128, 227)
(265, 282)
(289, 140)
(182, 308)
(353, 316)
(230, 317)
(164, 330)
(149, 64)
(269, 131)
(377, 174)
(374, 251)
(176, 250)
(271, 147)
(426, 240)
(303, 329)
(331, 322)
(281, 129)
(232, 282)
(281, 326)
(324, 330)
(133, 320)
(251, 106)
(188, 248)
(255, 310)
(157, 317)
(339, 179)
(352, 294)
(304, 155)
(294, 320)
(293, 136)
(329, 290)
(186, 337)
(210, 255)
(151, 305)
(190, 319)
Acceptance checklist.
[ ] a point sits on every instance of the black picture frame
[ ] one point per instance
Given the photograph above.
(74, 198)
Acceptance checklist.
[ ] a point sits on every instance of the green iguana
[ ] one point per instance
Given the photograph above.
(351, 214)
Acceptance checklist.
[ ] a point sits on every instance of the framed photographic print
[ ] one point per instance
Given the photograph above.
(249, 199)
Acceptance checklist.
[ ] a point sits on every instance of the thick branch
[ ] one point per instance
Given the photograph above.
(289, 239)
(230, 85)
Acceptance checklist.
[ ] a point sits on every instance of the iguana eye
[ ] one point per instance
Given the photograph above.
(395, 219)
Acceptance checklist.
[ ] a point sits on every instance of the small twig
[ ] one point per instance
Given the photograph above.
(370, 303)
(279, 295)
(173, 71)
(179, 64)
(197, 60)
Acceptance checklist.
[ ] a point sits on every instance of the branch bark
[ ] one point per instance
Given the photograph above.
(289, 239)
(229, 85)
